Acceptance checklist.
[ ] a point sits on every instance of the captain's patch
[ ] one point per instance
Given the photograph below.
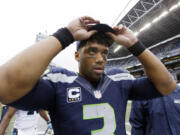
(73, 94)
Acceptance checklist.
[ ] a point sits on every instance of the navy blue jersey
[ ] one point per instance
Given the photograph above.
(77, 108)
(158, 116)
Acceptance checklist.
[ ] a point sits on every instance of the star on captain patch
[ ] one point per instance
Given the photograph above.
(97, 94)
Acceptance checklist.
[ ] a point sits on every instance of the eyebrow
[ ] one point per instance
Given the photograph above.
(92, 47)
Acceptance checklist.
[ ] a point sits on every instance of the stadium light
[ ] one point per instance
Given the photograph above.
(163, 14)
(146, 26)
(173, 7)
(159, 17)
(156, 19)
(117, 48)
(136, 33)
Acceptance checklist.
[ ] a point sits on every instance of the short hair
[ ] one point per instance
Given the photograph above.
(98, 37)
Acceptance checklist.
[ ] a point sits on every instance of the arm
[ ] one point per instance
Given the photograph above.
(44, 115)
(20, 74)
(137, 118)
(154, 69)
(7, 118)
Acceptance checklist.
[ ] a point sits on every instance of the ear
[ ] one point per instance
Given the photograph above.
(76, 55)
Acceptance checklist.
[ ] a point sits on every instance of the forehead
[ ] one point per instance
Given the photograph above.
(96, 45)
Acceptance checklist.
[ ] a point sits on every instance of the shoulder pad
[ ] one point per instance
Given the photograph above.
(117, 74)
(62, 70)
(113, 71)
(57, 74)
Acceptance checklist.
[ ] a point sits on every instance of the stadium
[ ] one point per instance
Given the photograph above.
(155, 23)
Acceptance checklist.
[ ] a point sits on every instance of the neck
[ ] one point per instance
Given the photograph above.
(92, 81)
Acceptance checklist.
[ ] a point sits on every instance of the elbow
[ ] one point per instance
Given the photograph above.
(168, 88)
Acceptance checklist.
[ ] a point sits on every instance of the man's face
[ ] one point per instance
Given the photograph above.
(92, 60)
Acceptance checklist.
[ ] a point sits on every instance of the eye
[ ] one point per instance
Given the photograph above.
(92, 51)
(105, 53)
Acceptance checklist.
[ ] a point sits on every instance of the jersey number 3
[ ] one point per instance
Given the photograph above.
(104, 111)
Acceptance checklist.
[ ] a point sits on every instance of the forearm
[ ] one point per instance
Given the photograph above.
(44, 115)
(6, 120)
(3, 126)
(21, 73)
(157, 72)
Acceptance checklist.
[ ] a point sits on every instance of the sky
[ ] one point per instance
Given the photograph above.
(21, 20)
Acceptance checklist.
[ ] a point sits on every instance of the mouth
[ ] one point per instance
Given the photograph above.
(98, 70)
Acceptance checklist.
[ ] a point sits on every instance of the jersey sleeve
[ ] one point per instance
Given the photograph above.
(143, 89)
(133, 89)
(42, 96)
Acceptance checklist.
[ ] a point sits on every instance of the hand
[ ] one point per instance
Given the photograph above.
(49, 125)
(124, 36)
(79, 27)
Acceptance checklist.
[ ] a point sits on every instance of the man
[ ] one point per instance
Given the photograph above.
(158, 116)
(89, 102)
(25, 121)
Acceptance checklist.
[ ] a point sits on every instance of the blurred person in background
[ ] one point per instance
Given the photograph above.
(159, 116)
(25, 121)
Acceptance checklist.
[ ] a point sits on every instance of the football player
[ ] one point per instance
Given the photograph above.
(91, 102)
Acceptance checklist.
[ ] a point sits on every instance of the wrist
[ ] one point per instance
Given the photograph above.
(64, 36)
(48, 121)
(70, 29)
(132, 42)
(137, 48)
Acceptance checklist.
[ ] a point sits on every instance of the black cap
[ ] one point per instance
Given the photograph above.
(100, 28)
(103, 28)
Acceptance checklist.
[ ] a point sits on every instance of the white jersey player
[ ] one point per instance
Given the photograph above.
(25, 121)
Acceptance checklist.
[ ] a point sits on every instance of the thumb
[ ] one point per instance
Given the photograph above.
(111, 35)
(90, 33)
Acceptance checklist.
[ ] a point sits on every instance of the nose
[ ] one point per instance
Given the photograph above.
(100, 58)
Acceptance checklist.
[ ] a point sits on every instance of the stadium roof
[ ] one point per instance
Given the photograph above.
(153, 21)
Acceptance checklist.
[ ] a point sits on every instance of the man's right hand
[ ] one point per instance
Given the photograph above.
(79, 27)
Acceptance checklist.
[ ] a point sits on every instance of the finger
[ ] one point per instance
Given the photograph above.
(111, 35)
(90, 19)
(87, 18)
(82, 23)
(89, 26)
(90, 33)
(119, 29)
(121, 26)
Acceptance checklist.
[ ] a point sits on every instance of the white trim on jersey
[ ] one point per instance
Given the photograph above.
(121, 76)
(59, 77)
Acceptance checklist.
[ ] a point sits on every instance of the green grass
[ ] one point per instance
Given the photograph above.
(128, 109)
